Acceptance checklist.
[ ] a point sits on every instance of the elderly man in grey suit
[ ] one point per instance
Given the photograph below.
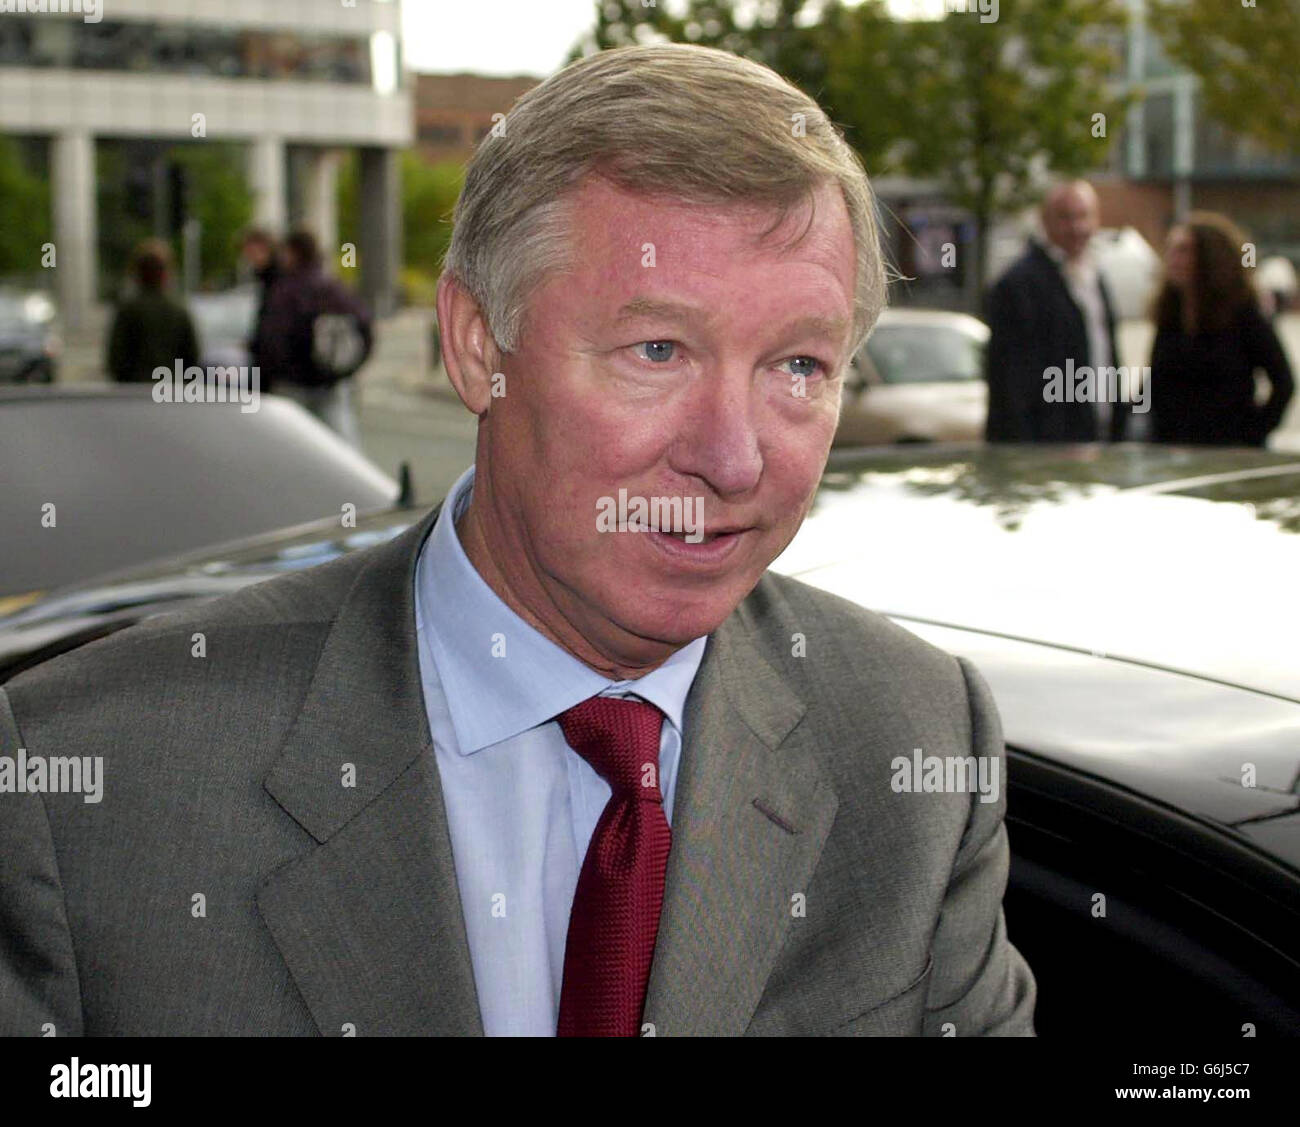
(564, 757)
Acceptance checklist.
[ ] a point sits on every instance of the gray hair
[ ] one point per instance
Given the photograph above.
(683, 122)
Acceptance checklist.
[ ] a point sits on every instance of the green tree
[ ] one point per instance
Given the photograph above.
(983, 108)
(1246, 58)
(783, 34)
(347, 208)
(24, 212)
(220, 199)
(429, 194)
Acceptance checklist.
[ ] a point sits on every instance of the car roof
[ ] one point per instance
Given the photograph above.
(1172, 558)
(132, 479)
(934, 318)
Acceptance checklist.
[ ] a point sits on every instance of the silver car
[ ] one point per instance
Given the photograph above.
(919, 378)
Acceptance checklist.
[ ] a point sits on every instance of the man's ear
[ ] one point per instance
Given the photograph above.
(469, 351)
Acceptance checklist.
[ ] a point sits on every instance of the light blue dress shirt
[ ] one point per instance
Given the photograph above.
(521, 804)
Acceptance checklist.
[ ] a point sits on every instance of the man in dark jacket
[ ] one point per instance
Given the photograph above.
(1051, 317)
(151, 330)
(314, 335)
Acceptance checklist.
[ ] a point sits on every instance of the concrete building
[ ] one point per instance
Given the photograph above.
(292, 81)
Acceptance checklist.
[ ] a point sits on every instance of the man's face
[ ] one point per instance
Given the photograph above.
(666, 363)
(1070, 218)
(257, 253)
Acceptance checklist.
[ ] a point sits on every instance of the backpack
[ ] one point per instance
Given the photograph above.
(340, 333)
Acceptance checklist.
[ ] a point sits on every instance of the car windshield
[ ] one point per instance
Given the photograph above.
(924, 354)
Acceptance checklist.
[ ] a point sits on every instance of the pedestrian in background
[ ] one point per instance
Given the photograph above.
(151, 329)
(1211, 338)
(1052, 306)
(258, 250)
(315, 335)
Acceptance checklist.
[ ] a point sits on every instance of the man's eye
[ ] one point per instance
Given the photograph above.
(657, 351)
(803, 365)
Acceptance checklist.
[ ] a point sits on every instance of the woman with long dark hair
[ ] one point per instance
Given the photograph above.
(1211, 338)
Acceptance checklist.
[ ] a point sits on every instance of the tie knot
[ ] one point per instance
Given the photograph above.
(620, 739)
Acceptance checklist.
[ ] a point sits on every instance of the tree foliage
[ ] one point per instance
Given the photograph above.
(1246, 58)
(429, 194)
(24, 212)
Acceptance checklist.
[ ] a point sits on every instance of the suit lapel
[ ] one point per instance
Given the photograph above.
(749, 823)
(369, 922)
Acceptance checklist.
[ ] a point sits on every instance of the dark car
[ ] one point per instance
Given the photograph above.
(98, 478)
(29, 340)
(1133, 610)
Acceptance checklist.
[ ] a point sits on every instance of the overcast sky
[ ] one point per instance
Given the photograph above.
(506, 36)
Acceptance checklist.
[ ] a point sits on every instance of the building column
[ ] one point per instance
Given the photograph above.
(321, 202)
(380, 248)
(76, 243)
(266, 177)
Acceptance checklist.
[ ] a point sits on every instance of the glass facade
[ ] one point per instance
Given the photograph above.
(191, 49)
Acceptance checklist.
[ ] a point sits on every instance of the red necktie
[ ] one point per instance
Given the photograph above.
(615, 914)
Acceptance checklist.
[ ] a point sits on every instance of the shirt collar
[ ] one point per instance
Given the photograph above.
(499, 674)
(1085, 263)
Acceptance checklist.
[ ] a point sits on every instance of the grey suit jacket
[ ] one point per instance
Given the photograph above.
(230, 883)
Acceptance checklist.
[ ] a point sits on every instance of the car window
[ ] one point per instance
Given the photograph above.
(924, 354)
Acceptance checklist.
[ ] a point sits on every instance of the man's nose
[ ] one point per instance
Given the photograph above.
(718, 441)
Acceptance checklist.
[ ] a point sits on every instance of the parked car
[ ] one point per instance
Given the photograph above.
(1134, 612)
(919, 378)
(131, 479)
(29, 339)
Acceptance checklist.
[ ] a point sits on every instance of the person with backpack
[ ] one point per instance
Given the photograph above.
(314, 336)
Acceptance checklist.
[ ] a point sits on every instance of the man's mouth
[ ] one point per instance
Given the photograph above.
(704, 538)
(709, 552)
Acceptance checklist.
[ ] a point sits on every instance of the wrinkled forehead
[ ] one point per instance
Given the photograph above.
(625, 231)
(737, 267)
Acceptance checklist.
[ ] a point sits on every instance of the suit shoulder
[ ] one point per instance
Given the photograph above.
(292, 607)
(1025, 271)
